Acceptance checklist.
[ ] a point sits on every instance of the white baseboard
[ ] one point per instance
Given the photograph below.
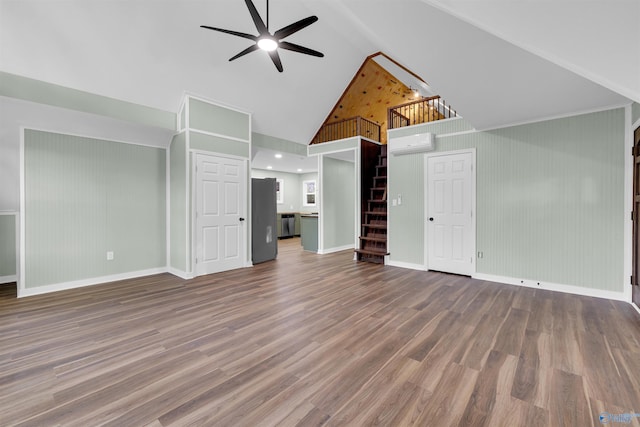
(8, 279)
(633, 304)
(27, 292)
(336, 249)
(568, 289)
(181, 274)
(409, 265)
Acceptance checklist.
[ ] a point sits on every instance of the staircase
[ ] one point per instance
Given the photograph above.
(373, 238)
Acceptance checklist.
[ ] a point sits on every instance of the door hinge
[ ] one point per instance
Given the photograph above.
(196, 260)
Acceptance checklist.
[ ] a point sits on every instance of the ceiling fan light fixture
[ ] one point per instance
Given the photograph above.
(268, 44)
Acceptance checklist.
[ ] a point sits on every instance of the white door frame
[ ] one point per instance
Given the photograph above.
(247, 222)
(427, 156)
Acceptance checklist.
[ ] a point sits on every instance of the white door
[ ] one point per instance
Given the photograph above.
(450, 231)
(220, 214)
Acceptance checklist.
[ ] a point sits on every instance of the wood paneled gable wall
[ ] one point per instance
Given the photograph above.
(369, 94)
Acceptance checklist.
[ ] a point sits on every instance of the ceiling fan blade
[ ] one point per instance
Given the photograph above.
(295, 27)
(300, 49)
(235, 33)
(250, 49)
(276, 59)
(262, 29)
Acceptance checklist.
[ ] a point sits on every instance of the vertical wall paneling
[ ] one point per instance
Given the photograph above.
(635, 112)
(406, 221)
(85, 197)
(550, 200)
(178, 203)
(338, 203)
(8, 246)
(219, 120)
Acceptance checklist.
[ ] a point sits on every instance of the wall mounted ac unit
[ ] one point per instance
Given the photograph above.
(412, 144)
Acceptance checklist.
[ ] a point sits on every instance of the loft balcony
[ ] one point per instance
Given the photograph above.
(417, 112)
(347, 128)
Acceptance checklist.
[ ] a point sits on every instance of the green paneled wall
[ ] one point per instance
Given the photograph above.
(278, 144)
(550, 199)
(178, 202)
(84, 197)
(406, 222)
(216, 119)
(438, 127)
(8, 238)
(20, 87)
(338, 198)
(635, 112)
(219, 145)
(327, 147)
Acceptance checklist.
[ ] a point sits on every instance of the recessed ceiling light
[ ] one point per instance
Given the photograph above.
(269, 167)
(299, 170)
(278, 156)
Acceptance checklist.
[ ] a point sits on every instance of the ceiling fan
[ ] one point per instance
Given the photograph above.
(271, 42)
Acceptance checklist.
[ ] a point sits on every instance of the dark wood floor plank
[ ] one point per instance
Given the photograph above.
(315, 340)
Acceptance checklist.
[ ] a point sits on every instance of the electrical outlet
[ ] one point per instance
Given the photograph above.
(399, 199)
(394, 202)
(110, 256)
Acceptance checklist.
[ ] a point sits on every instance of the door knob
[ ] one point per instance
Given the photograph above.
(430, 218)
(241, 219)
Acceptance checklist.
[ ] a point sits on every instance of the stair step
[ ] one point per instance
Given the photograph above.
(376, 226)
(384, 213)
(377, 201)
(370, 252)
(374, 239)
(379, 177)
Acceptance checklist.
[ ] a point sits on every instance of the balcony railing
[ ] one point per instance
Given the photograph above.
(347, 128)
(421, 111)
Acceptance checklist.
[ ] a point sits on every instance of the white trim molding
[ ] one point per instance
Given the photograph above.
(8, 279)
(336, 249)
(409, 265)
(179, 273)
(27, 292)
(555, 287)
(628, 206)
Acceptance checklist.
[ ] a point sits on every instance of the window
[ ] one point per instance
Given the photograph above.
(308, 193)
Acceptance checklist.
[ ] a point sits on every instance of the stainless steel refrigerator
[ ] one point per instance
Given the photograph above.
(264, 238)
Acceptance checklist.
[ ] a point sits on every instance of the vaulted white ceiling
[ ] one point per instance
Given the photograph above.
(496, 63)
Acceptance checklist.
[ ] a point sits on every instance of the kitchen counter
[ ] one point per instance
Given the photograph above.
(309, 232)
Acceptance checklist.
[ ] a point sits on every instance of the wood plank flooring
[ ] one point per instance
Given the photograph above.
(313, 340)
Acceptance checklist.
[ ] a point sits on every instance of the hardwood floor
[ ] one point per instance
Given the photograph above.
(316, 340)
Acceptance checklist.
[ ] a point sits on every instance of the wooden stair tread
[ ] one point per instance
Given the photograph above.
(376, 213)
(377, 201)
(370, 252)
(374, 239)
(376, 226)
